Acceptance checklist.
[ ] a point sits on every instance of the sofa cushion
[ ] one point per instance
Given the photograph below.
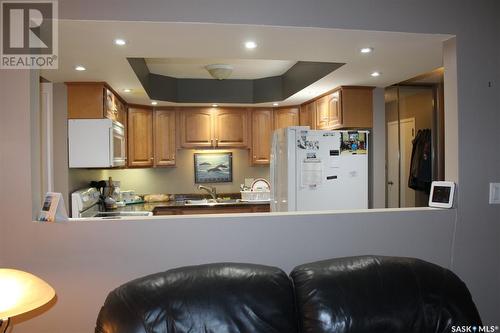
(213, 298)
(372, 294)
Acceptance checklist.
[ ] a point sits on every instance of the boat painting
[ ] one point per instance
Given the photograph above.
(213, 168)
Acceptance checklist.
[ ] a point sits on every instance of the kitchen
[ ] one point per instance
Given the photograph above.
(161, 161)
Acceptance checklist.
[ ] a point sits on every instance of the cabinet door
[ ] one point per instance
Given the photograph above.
(262, 128)
(122, 112)
(140, 138)
(110, 105)
(86, 100)
(307, 116)
(231, 128)
(334, 109)
(285, 117)
(322, 113)
(356, 107)
(196, 128)
(164, 137)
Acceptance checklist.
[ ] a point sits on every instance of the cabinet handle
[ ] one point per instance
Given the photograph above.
(216, 142)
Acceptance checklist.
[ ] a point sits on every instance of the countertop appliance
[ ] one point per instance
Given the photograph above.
(96, 143)
(318, 169)
(85, 203)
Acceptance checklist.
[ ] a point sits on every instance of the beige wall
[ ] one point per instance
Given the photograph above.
(179, 179)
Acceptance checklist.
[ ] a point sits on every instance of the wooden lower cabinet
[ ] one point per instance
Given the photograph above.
(164, 137)
(211, 210)
(285, 117)
(140, 138)
(262, 130)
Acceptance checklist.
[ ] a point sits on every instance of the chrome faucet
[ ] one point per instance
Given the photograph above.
(211, 190)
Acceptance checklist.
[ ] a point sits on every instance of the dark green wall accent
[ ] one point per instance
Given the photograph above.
(269, 89)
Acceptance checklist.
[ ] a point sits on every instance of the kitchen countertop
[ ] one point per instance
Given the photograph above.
(181, 204)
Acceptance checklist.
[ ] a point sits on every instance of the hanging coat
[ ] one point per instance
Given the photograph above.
(420, 177)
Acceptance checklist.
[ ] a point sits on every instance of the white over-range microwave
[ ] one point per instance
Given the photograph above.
(96, 143)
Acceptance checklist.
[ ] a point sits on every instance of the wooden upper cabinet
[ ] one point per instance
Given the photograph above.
(345, 107)
(85, 100)
(307, 115)
(110, 106)
(262, 129)
(356, 107)
(196, 129)
(94, 100)
(206, 127)
(164, 137)
(140, 138)
(285, 117)
(334, 110)
(231, 128)
(122, 112)
(322, 113)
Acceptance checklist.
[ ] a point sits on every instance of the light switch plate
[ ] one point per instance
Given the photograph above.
(494, 193)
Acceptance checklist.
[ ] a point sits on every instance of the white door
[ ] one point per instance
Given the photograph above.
(398, 192)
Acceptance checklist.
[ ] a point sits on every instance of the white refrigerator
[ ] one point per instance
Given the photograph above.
(315, 170)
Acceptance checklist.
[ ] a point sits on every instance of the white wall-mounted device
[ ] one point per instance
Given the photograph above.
(442, 194)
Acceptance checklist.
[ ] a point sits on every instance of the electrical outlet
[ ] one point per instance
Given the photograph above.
(494, 193)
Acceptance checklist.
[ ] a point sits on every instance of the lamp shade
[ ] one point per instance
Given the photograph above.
(21, 292)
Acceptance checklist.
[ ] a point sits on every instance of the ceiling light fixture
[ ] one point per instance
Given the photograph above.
(375, 74)
(79, 68)
(219, 71)
(120, 41)
(275, 104)
(154, 103)
(366, 50)
(215, 105)
(250, 45)
(127, 90)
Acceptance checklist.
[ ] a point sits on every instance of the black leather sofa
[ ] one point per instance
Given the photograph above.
(368, 294)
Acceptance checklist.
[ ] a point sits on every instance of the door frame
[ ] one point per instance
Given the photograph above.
(398, 124)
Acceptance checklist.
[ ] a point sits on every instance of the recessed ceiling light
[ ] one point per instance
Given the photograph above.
(366, 50)
(250, 44)
(120, 41)
(215, 105)
(127, 90)
(375, 74)
(275, 104)
(79, 68)
(154, 103)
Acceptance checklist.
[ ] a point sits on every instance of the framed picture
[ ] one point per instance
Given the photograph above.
(213, 167)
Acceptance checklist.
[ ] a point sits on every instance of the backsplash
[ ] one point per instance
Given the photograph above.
(179, 179)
